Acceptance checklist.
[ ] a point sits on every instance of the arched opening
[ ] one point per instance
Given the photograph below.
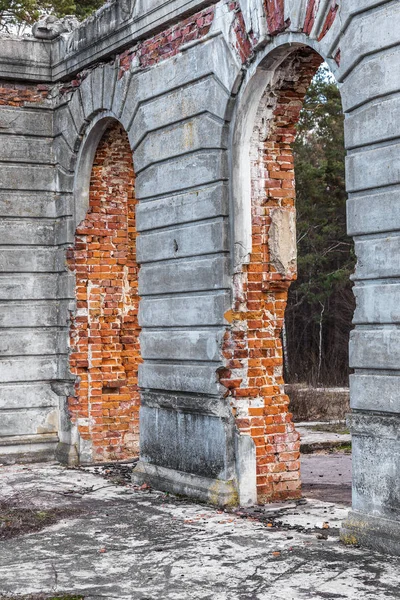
(104, 333)
(253, 349)
(321, 302)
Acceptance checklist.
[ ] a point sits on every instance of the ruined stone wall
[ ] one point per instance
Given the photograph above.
(105, 351)
(190, 81)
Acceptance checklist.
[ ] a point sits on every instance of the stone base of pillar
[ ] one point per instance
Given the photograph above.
(373, 532)
(212, 491)
(67, 454)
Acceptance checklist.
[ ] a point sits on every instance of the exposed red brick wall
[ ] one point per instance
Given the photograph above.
(14, 94)
(244, 45)
(252, 348)
(169, 42)
(104, 335)
(275, 11)
(312, 6)
(330, 17)
(153, 50)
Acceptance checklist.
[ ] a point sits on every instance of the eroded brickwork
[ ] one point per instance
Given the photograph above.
(104, 334)
(275, 11)
(169, 42)
(14, 94)
(253, 348)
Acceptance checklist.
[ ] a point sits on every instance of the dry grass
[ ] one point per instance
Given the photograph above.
(315, 404)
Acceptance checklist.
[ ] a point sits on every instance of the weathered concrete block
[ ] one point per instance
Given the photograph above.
(178, 174)
(40, 260)
(30, 177)
(378, 257)
(22, 149)
(187, 207)
(26, 341)
(184, 311)
(375, 348)
(189, 403)
(64, 125)
(181, 345)
(163, 434)
(373, 168)
(381, 73)
(27, 204)
(375, 451)
(376, 122)
(97, 88)
(31, 422)
(193, 378)
(376, 393)
(206, 238)
(26, 121)
(374, 212)
(208, 58)
(198, 133)
(206, 95)
(85, 91)
(27, 396)
(26, 231)
(369, 32)
(185, 275)
(28, 286)
(377, 303)
(37, 368)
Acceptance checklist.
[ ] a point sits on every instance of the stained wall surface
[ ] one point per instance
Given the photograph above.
(201, 88)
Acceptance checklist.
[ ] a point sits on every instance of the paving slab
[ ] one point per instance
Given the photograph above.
(124, 543)
(327, 477)
(312, 439)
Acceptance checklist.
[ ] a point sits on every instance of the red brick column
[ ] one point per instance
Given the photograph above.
(104, 335)
(253, 349)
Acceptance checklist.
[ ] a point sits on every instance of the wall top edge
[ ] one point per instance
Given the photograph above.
(111, 29)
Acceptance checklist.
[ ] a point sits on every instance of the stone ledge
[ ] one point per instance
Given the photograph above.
(28, 448)
(374, 532)
(212, 491)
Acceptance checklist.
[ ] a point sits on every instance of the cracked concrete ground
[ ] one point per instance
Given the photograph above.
(130, 544)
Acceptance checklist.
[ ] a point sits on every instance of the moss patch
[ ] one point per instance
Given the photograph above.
(16, 521)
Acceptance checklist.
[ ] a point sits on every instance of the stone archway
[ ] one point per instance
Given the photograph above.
(252, 347)
(104, 334)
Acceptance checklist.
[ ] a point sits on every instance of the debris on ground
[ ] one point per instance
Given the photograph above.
(118, 473)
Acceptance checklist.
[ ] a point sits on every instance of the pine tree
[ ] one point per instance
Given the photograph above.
(321, 303)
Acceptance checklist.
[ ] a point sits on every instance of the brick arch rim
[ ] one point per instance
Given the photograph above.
(258, 76)
(85, 159)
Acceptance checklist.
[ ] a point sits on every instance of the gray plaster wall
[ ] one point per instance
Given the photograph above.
(188, 119)
(31, 322)
(371, 96)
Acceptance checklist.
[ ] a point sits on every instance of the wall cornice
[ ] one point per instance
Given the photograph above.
(112, 29)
